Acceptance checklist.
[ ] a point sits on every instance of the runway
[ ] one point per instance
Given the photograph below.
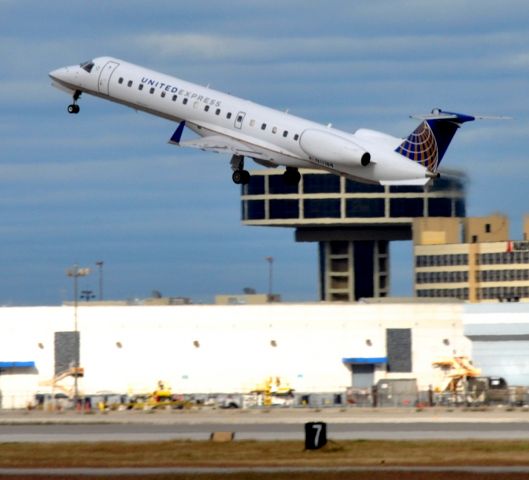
(396, 424)
(148, 471)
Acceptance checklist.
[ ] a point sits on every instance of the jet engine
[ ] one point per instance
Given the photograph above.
(326, 147)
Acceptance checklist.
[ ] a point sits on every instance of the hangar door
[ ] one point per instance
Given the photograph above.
(363, 375)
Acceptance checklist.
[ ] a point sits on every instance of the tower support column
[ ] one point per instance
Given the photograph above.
(354, 269)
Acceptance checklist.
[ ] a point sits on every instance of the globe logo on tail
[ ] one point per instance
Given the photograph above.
(421, 147)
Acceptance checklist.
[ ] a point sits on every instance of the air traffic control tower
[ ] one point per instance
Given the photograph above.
(352, 222)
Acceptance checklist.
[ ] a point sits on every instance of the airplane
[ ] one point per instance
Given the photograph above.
(227, 124)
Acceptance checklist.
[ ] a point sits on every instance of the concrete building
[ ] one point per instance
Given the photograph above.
(471, 259)
(500, 339)
(204, 349)
(232, 348)
(352, 222)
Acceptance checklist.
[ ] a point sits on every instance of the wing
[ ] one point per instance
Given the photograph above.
(219, 144)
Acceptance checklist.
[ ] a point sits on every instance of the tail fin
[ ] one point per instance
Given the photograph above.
(428, 143)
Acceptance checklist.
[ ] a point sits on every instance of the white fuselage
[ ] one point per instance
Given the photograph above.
(273, 137)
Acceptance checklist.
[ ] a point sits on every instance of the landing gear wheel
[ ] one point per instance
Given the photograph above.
(241, 177)
(291, 176)
(73, 108)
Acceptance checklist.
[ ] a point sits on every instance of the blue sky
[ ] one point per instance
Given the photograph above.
(105, 185)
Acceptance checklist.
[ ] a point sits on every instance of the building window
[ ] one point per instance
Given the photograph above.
(364, 207)
(322, 208)
(407, 207)
(358, 187)
(317, 183)
(255, 210)
(256, 185)
(284, 209)
(398, 348)
(487, 228)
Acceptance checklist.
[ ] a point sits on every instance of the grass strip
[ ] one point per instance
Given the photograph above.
(254, 453)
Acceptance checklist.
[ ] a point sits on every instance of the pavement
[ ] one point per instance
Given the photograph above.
(208, 415)
(265, 424)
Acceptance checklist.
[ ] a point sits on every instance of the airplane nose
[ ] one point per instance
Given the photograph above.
(59, 74)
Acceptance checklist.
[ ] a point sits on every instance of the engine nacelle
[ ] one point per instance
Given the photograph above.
(327, 147)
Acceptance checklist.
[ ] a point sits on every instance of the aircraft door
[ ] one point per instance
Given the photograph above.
(104, 77)
(239, 119)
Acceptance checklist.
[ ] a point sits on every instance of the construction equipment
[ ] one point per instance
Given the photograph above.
(274, 391)
(457, 370)
(162, 397)
(55, 382)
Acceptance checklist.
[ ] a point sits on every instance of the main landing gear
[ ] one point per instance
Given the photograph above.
(74, 108)
(239, 176)
(291, 176)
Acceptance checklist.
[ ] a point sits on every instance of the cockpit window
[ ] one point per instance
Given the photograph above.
(87, 66)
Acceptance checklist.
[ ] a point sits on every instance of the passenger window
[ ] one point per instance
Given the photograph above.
(296, 136)
(217, 112)
(285, 134)
(120, 81)
(228, 115)
(140, 86)
(129, 84)
(151, 91)
(274, 130)
(252, 123)
(206, 108)
(162, 94)
(174, 98)
(263, 126)
(184, 101)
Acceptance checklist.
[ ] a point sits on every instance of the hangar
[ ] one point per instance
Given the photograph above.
(316, 348)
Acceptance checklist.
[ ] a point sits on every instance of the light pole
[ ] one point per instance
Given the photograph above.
(75, 272)
(270, 261)
(87, 295)
(100, 264)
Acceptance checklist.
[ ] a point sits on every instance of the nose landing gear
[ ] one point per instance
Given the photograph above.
(74, 108)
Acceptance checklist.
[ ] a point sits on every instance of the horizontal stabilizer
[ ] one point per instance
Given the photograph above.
(438, 114)
(415, 182)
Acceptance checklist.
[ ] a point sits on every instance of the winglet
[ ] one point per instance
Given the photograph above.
(177, 135)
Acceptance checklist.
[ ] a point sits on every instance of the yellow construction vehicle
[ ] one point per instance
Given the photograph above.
(274, 391)
(458, 372)
(162, 397)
